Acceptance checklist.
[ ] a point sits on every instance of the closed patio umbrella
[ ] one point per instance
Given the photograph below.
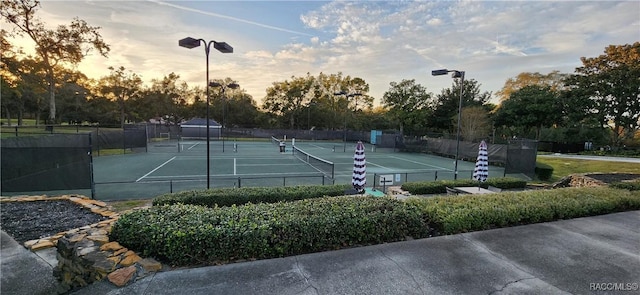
(481, 172)
(359, 178)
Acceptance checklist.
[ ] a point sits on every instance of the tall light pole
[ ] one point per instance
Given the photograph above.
(456, 74)
(223, 87)
(309, 115)
(224, 48)
(347, 96)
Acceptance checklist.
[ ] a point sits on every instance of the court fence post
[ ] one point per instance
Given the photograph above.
(93, 180)
(171, 186)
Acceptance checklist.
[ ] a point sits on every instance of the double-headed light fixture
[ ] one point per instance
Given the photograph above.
(347, 95)
(456, 74)
(224, 48)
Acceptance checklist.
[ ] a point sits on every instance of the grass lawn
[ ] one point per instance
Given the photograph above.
(122, 206)
(564, 167)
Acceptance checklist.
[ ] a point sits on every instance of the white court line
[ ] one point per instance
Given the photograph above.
(368, 162)
(306, 174)
(194, 145)
(317, 146)
(154, 170)
(423, 164)
(234, 167)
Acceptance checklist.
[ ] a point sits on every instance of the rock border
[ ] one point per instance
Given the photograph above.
(582, 180)
(86, 255)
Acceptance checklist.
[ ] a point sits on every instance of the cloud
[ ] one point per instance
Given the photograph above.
(379, 41)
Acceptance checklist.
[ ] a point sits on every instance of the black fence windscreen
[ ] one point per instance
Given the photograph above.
(50, 162)
(518, 156)
(521, 157)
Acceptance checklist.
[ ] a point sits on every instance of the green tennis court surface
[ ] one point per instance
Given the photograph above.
(171, 166)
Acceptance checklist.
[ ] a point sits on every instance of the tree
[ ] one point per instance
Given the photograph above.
(242, 110)
(286, 99)
(445, 106)
(555, 80)
(530, 107)
(72, 96)
(22, 87)
(612, 82)
(407, 103)
(289, 101)
(121, 86)
(475, 123)
(66, 44)
(331, 110)
(166, 98)
(103, 111)
(9, 80)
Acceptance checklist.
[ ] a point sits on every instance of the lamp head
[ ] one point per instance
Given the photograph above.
(189, 42)
(439, 72)
(223, 47)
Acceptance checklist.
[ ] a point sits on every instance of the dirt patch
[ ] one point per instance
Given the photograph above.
(30, 220)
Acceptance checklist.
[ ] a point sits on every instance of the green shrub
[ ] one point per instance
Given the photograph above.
(464, 213)
(188, 234)
(439, 187)
(239, 196)
(543, 171)
(628, 185)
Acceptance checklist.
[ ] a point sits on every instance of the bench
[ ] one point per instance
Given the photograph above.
(451, 191)
(494, 189)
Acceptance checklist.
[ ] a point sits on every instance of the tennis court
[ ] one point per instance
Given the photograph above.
(171, 166)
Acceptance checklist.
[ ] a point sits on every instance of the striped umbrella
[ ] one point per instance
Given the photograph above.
(481, 172)
(359, 178)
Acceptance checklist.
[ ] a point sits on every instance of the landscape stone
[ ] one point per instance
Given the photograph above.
(122, 276)
(111, 246)
(150, 264)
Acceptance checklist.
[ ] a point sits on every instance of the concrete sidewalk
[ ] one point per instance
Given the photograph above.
(578, 256)
(592, 158)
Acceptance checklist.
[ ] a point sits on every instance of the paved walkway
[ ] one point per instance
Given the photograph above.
(593, 158)
(578, 256)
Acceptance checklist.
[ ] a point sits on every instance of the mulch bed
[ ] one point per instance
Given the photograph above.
(614, 177)
(30, 220)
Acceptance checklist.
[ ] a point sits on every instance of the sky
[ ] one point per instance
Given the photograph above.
(378, 41)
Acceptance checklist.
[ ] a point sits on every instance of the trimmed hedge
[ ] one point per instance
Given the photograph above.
(628, 185)
(239, 196)
(543, 171)
(439, 187)
(466, 213)
(187, 234)
(195, 235)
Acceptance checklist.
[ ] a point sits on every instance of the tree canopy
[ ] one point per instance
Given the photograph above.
(532, 106)
(612, 82)
(445, 105)
(66, 44)
(408, 105)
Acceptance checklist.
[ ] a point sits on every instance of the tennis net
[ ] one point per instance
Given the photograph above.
(275, 140)
(324, 166)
